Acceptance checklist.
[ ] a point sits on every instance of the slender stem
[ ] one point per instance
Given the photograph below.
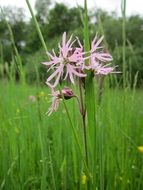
(83, 120)
(85, 139)
(123, 156)
(123, 7)
(81, 99)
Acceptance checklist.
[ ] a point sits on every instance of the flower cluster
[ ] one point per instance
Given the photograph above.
(67, 64)
(70, 63)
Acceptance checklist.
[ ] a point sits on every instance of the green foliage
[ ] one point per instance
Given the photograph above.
(69, 19)
(33, 43)
(134, 26)
(52, 26)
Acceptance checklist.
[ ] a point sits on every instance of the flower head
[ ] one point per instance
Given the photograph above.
(57, 96)
(70, 62)
(67, 64)
(97, 53)
(98, 58)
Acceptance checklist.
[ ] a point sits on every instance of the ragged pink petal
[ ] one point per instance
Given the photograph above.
(103, 69)
(103, 57)
(57, 96)
(94, 44)
(57, 73)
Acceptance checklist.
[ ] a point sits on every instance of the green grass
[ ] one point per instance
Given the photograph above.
(39, 152)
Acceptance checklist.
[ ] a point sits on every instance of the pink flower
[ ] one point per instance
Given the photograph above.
(99, 55)
(98, 59)
(66, 93)
(103, 69)
(67, 64)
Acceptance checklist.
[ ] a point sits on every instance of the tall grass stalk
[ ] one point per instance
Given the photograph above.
(123, 121)
(123, 9)
(90, 129)
(83, 114)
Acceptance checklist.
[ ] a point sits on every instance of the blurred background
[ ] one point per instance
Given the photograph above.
(55, 17)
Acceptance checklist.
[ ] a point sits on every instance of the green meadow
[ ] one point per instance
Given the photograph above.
(97, 146)
(40, 152)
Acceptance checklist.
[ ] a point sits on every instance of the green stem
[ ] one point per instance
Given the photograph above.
(123, 7)
(83, 110)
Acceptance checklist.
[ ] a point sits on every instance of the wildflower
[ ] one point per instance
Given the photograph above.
(140, 148)
(83, 179)
(100, 69)
(57, 96)
(99, 55)
(67, 64)
(97, 58)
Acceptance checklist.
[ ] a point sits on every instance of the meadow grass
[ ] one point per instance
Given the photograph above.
(35, 148)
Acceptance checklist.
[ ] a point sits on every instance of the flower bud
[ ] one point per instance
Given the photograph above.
(67, 93)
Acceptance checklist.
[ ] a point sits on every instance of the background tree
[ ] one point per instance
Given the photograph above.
(42, 9)
(61, 19)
